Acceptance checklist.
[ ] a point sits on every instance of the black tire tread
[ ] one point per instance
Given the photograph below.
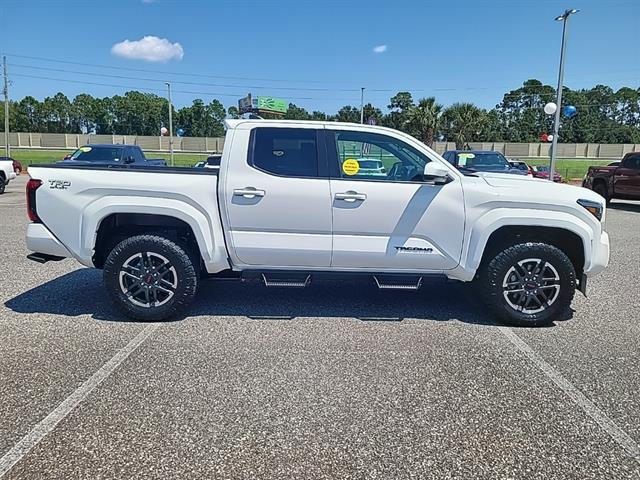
(492, 274)
(187, 277)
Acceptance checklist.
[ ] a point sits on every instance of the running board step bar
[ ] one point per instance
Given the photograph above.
(274, 281)
(398, 283)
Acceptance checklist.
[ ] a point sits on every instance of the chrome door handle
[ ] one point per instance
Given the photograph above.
(248, 192)
(351, 196)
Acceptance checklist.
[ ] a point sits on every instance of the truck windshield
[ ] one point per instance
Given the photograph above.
(97, 154)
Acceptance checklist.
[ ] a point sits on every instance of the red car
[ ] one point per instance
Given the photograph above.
(17, 166)
(542, 171)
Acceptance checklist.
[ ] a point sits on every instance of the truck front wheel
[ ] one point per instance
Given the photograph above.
(529, 284)
(150, 278)
(601, 189)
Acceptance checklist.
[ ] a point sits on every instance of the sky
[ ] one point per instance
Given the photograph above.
(315, 53)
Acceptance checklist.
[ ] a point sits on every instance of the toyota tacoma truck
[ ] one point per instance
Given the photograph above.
(618, 180)
(7, 173)
(289, 204)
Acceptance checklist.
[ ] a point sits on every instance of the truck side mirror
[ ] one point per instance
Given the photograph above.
(435, 173)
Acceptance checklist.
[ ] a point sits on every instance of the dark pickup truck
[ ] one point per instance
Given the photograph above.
(106, 154)
(616, 181)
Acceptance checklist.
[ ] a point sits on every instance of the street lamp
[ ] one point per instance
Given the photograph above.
(170, 122)
(556, 124)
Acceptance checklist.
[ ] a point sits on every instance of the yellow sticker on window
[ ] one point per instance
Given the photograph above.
(466, 155)
(85, 149)
(350, 166)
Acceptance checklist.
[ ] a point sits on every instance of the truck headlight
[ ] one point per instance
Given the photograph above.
(595, 208)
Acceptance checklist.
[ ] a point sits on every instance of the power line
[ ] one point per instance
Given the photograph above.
(292, 88)
(183, 82)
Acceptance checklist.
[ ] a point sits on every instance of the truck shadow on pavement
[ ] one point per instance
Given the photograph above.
(626, 207)
(81, 293)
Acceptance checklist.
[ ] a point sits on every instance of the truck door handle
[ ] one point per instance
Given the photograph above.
(248, 192)
(351, 196)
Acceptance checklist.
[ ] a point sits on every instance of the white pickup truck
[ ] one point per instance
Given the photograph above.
(290, 203)
(7, 173)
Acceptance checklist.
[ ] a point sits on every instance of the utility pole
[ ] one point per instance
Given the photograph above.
(361, 104)
(7, 148)
(556, 124)
(170, 122)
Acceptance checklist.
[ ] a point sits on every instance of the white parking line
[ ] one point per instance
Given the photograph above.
(45, 426)
(601, 418)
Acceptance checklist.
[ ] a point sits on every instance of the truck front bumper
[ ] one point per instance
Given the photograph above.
(600, 255)
(41, 240)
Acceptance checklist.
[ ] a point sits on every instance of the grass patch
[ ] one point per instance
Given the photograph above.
(568, 168)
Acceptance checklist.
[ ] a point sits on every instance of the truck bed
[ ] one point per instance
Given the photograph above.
(74, 200)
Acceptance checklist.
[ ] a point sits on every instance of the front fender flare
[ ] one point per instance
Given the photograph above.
(501, 217)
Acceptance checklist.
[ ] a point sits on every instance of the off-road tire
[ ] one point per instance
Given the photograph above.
(493, 276)
(184, 274)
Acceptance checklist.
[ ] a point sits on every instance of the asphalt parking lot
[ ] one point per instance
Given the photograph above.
(335, 381)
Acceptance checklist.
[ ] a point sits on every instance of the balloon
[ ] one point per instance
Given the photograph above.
(549, 138)
(550, 108)
(164, 131)
(180, 132)
(569, 111)
(543, 137)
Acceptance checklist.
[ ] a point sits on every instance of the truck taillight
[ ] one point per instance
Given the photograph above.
(32, 185)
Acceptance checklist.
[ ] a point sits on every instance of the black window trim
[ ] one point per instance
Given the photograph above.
(321, 153)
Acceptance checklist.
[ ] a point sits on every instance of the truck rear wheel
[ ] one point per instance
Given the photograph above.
(150, 278)
(529, 284)
(3, 184)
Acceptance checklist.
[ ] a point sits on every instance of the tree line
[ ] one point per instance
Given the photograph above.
(604, 116)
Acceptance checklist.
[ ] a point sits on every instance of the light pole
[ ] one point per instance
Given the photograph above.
(556, 124)
(170, 122)
(7, 147)
(361, 104)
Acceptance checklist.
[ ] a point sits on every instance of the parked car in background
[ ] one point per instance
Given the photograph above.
(371, 167)
(522, 166)
(106, 154)
(7, 173)
(542, 171)
(480, 161)
(616, 181)
(285, 208)
(17, 166)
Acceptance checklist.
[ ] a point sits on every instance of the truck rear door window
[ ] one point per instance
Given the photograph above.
(290, 152)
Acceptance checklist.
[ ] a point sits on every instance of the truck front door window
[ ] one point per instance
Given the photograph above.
(371, 156)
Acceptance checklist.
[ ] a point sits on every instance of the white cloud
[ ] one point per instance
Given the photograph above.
(149, 48)
(379, 49)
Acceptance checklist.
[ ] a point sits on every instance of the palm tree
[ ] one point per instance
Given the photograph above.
(463, 123)
(423, 119)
